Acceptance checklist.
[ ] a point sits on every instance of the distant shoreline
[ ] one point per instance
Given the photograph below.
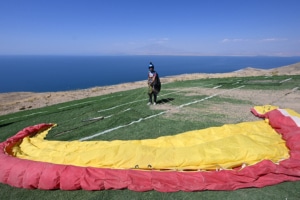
(16, 101)
(65, 73)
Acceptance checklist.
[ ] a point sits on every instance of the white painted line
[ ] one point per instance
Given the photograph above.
(285, 80)
(118, 127)
(23, 116)
(34, 113)
(110, 97)
(93, 119)
(187, 104)
(111, 108)
(80, 104)
(126, 110)
(76, 104)
(237, 82)
(101, 117)
(151, 116)
(217, 87)
(10, 118)
(294, 89)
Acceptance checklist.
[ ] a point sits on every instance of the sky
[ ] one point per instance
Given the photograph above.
(150, 27)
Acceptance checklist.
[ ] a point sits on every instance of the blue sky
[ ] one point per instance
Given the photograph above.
(147, 27)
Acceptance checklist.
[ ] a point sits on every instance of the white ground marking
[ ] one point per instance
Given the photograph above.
(151, 116)
(111, 108)
(285, 80)
(23, 116)
(218, 86)
(76, 104)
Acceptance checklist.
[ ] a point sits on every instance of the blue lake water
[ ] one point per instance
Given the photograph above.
(61, 73)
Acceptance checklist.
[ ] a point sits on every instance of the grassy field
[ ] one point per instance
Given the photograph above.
(182, 106)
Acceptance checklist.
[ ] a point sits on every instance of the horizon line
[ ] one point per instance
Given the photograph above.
(194, 55)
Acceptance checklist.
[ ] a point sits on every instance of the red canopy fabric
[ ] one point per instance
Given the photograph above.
(47, 176)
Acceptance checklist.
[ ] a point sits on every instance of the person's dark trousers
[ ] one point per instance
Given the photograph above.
(150, 97)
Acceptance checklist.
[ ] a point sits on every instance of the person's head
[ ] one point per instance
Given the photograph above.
(151, 66)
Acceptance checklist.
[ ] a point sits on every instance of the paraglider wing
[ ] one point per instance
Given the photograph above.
(24, 173)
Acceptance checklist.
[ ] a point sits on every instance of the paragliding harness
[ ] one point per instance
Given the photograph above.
(155, 86)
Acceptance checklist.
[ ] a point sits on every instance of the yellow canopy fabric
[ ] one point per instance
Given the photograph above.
(264, 109)
(213, 148)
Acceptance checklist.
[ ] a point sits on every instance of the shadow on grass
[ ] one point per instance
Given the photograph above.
(167, 100)
(3, 125)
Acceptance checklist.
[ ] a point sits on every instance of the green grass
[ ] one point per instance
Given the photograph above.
(256, 82)
(122, 108)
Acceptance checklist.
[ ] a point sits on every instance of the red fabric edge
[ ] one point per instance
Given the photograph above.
(47, 176)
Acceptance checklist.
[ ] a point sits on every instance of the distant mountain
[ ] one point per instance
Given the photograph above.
(159, 49)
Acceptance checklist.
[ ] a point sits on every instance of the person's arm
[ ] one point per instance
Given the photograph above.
(152, 80)
(149, 79)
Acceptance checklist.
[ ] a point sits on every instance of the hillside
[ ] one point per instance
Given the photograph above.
(16, 101)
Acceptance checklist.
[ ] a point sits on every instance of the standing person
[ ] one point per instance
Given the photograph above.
(154, 84)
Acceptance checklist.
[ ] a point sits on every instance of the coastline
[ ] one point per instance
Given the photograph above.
(17, 101)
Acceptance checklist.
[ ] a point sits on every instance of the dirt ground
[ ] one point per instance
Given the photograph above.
(16, 101)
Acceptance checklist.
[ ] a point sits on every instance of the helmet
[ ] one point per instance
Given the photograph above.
(151, 65)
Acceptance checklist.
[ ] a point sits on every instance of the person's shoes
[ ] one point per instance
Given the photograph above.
(149, 103)
(154, 103)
